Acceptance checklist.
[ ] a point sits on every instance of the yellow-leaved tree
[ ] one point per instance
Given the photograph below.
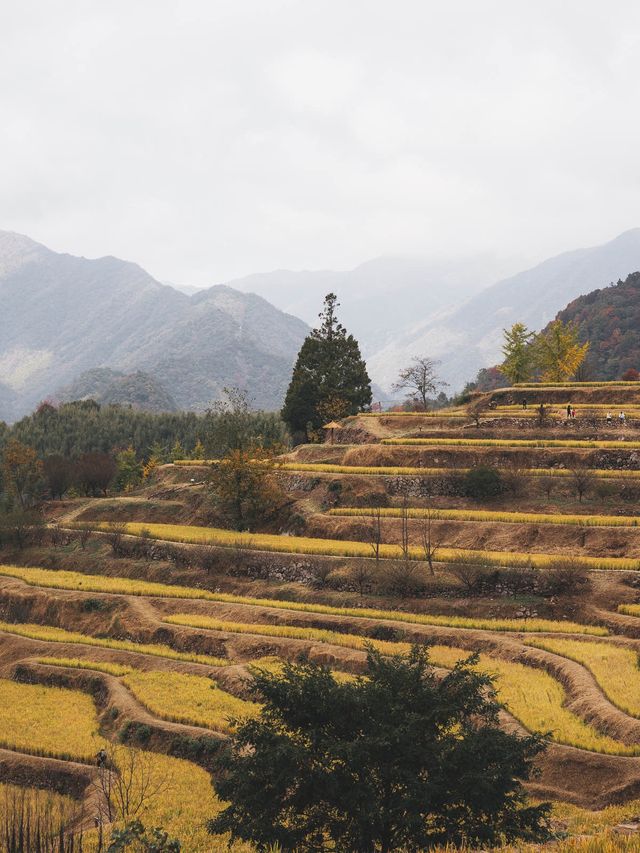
(559, 352)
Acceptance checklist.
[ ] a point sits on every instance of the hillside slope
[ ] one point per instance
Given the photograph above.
(610, 319)
(63, 315)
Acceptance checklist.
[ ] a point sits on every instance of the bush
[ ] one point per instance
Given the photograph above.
(565, 578)
(482, 483)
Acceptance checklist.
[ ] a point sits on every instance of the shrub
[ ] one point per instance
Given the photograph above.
(482, 483)
(566, 577)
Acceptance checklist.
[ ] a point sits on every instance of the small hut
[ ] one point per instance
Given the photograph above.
(331, 427)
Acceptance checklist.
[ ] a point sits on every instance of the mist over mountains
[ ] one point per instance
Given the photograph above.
(63, 315)
(71, 327)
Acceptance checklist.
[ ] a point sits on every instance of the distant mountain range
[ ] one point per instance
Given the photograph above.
(63, 315)
(469, 336)
(452, 311)
(73, 327)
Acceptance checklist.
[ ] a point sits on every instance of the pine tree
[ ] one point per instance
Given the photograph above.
(559, 352)
(518, 354)
(329, 367)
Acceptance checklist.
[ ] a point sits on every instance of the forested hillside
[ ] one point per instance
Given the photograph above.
(610, 319)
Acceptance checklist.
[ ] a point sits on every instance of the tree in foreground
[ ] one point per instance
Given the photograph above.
(519, 363)
(400, 760)
(420, 380)
(329, 367)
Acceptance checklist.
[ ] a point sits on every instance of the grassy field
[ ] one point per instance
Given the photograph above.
(50, 634)
(128, 586)
(491, 515)
(189, 699)
(536, 699)
(511, 442)
(350, 548)
(615, 668)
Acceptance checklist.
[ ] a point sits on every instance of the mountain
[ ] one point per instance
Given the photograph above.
(107, 386)
(64, 315)
(379, 298)
(469, 337)
(609, 318)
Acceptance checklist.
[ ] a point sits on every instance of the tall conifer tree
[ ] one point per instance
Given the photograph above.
(329, 369)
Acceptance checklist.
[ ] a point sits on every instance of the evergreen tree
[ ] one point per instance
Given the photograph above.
(400, 760)
(329, 367)
(518, 354)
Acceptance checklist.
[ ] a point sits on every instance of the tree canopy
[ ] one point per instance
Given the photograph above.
(398, 760)
(329, 367)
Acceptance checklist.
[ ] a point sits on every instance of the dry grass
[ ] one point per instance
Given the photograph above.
(615, 668)
(189, 699)
(50, 634)
(127, 586)
(292, 632)
(537, 700)
(350, 548)
(492, 515)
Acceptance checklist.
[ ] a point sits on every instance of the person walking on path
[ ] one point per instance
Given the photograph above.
(622, 418)
(608, 417)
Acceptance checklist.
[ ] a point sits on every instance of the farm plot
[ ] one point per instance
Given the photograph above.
(352, 548)
(615, 668)
(507, 442)
(51, 634)
(126, 586)
(437, 513)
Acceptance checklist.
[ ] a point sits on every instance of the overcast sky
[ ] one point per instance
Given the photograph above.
(208, 139)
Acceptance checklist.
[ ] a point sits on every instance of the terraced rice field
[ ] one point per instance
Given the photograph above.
(512, 442)
(438, 513)
(50, 634)
(537, 700)
(128, 586)
(50, 721)
(615, 668)
(315, 635)
(351, 548)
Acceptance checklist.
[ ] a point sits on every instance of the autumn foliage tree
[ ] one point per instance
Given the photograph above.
(22, 473)
(559, 352)
(243, 490)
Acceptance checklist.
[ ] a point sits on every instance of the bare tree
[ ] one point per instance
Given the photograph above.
(429, 541)
(420, 380)
(582, 480)
(127, 781)
(373, 531)
(362, 574)
(547, 485)
(404, 530)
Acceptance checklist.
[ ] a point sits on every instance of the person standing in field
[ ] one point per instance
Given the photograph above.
(608, 417)
(568, 410)
(622, 418)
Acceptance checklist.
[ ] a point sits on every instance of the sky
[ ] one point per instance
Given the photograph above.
(208, 139)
